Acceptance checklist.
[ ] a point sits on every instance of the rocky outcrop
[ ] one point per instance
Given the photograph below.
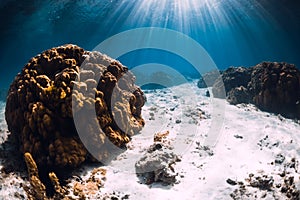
(231, 78)
(235, 77)
(276, 87)
(271, 86)
(157, 165)
(239, 95)
(64, 85)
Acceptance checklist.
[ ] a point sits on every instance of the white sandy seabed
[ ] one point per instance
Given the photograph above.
(220, 150)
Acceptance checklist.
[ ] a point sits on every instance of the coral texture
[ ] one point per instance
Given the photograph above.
(231, 78)
(276, 87)
(88, 189)
(271, 86)
(65, 83)
(238, 95)
(37, 189)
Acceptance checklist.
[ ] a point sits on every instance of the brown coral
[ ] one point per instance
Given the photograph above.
(271, 86)
(64, 85)
(38, 189)
(276, 87)
(161, 137)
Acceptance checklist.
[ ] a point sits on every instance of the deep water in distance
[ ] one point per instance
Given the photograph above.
(234, 32)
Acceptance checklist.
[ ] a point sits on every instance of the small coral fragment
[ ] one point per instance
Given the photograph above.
(37, 189)
(59, 191)
(160, 137)
(90, 187)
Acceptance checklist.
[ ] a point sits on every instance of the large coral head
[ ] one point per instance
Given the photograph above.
(68, 104)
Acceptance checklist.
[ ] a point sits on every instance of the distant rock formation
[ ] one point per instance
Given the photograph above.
(44, 98)
(271, 86)
(231, 78)
(208, 79)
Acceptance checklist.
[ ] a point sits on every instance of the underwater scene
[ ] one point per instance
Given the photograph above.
(148, 99)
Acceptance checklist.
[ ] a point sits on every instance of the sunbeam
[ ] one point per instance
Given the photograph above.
(226, 29)
(234, 32)
(183, 15)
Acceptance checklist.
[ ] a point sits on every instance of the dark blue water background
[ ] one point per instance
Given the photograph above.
(233, 32)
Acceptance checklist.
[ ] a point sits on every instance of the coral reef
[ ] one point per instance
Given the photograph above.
(271, 86)
(65, 90)
(231, 78)
(276, 87)
(238, 95)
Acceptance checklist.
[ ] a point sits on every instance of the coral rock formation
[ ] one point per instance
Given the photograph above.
(64, 82)
(238, 95)
(231, 78)
(271, 86)
(276, 87)
(157, 165)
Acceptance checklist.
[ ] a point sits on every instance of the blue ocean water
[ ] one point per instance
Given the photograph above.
(233, 32)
